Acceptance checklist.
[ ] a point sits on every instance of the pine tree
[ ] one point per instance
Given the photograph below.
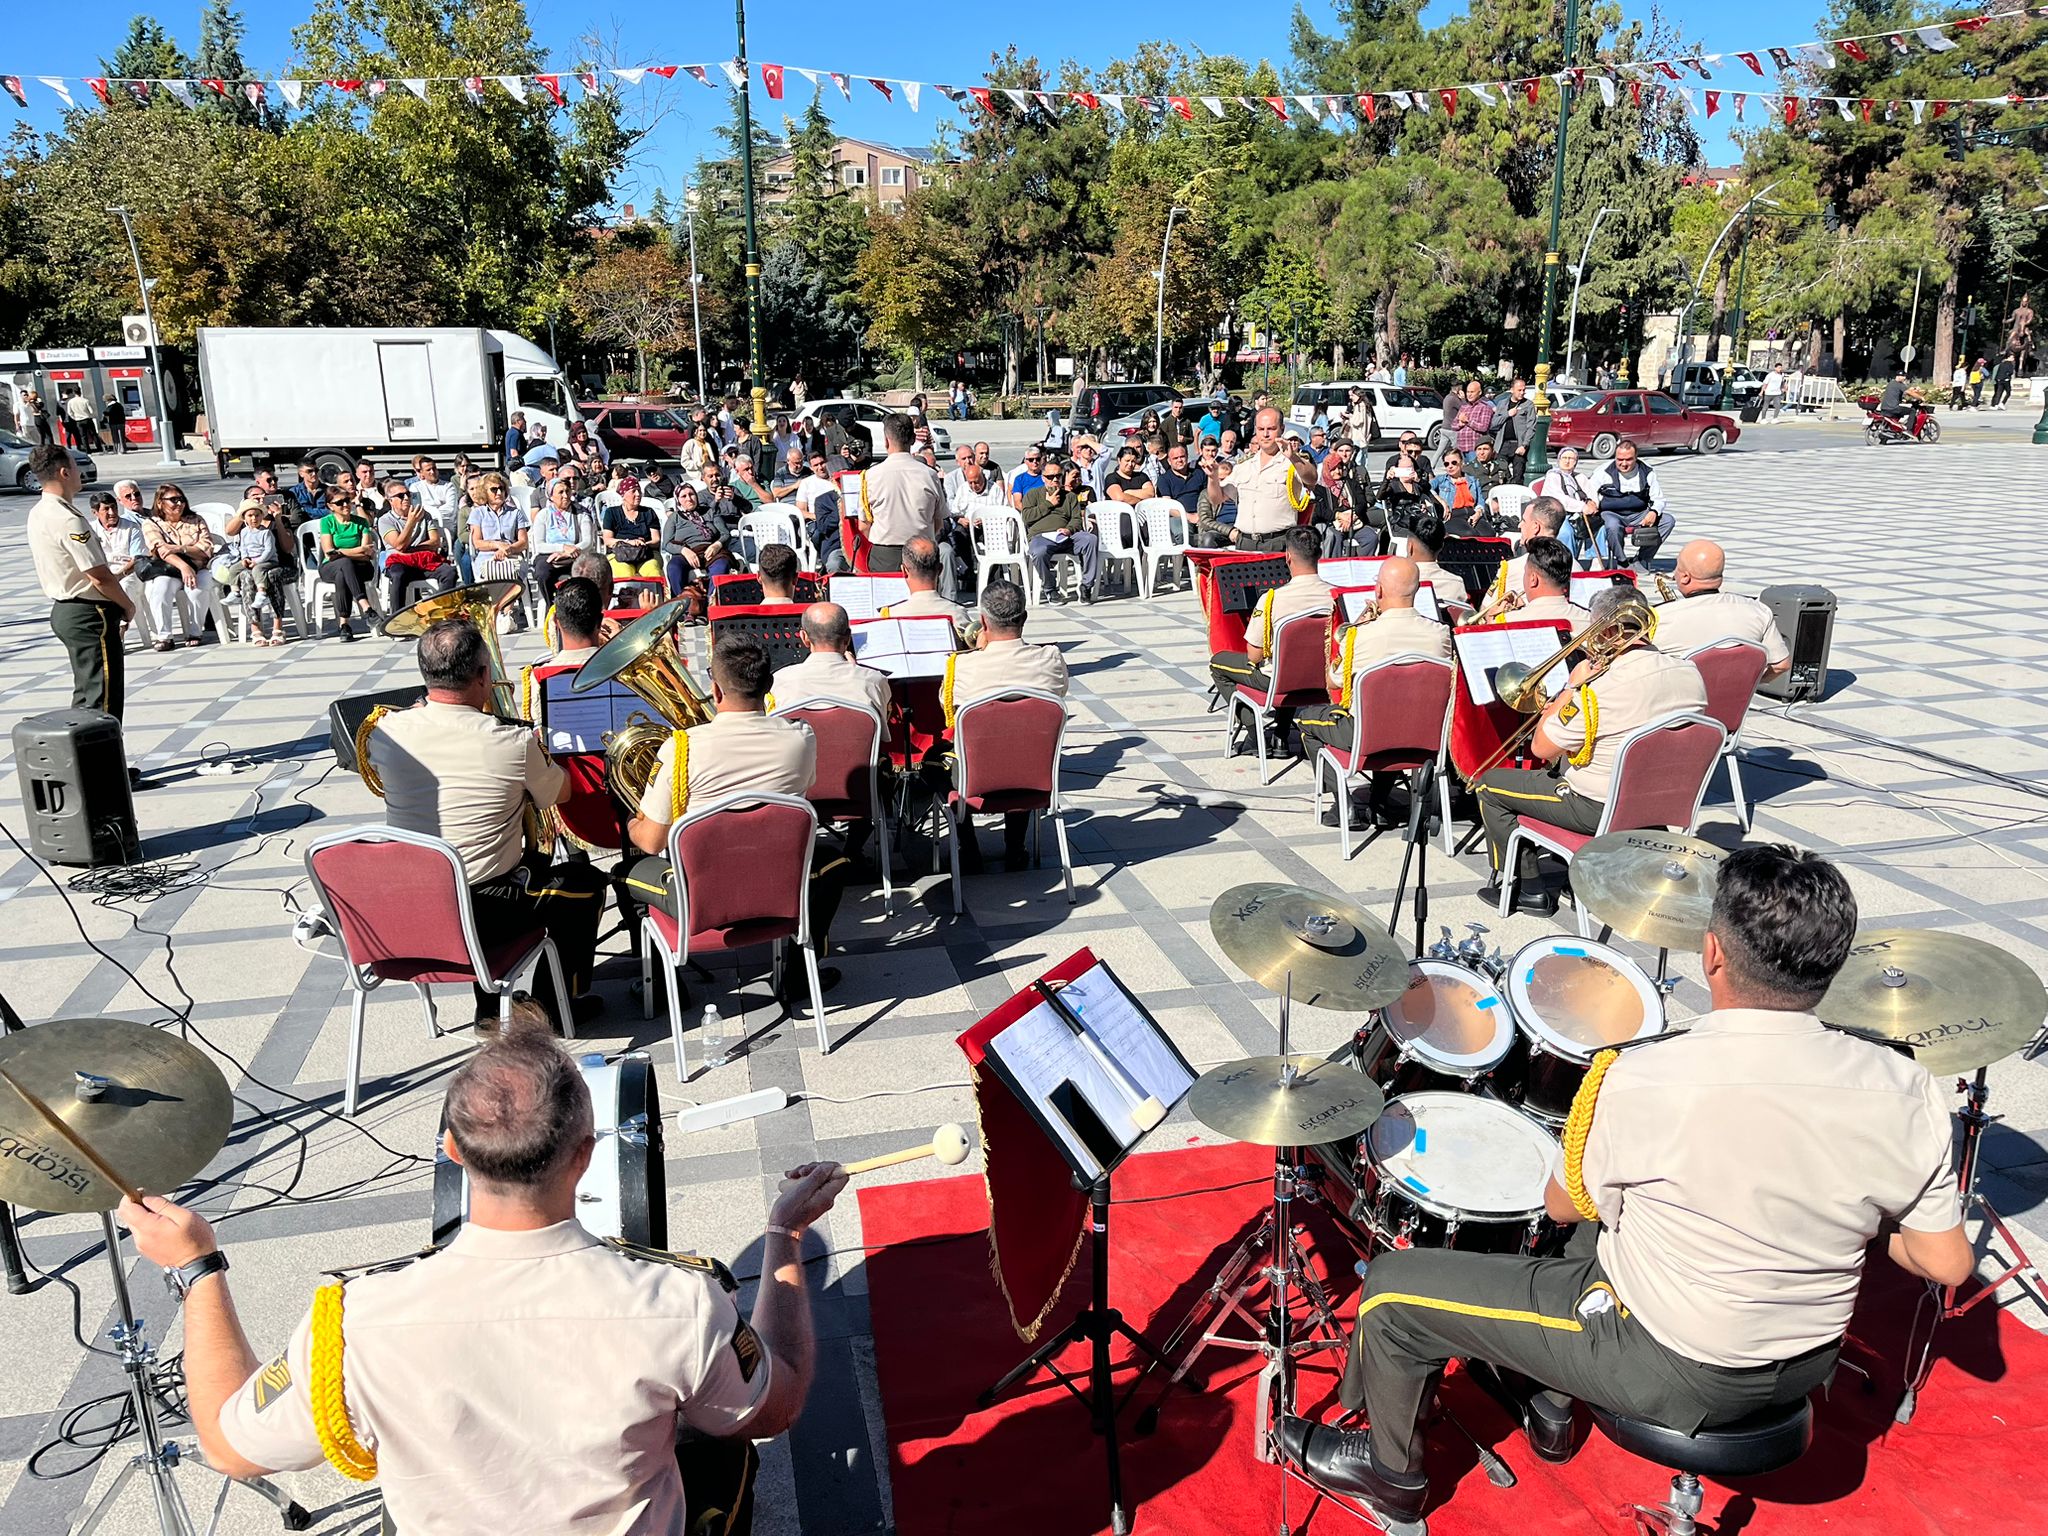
(220, 58)
(147, 53)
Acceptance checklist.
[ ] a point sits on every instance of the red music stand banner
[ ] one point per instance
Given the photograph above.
(1477, 731)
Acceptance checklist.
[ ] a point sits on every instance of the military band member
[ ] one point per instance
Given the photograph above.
(900, 499)
(452, 769)
(1426, 535)
(741, 749)
(1398, 630)
(828, 670)
(1542, 517)
(1002, 661)
(1272, 485)
(1580, 732)
(921, 573)
(1704, 615)
(1547, 585)
(1303, 592)
(1731, 1177)
(527, 1376)
(87, 605)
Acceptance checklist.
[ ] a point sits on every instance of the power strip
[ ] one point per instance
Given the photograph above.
(707, 1117)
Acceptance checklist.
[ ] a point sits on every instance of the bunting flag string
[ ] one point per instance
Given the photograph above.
(1302, 109)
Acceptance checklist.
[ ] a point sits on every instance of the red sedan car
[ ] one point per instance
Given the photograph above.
(638, 429)
(1594, 422)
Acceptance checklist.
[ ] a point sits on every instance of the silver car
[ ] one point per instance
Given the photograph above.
(14, 470)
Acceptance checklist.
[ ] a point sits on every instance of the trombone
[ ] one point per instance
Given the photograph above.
(1519, 685)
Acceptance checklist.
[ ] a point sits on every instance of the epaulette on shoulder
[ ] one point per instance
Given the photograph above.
(1630, 1045)
(380, 1266)
(694, 1261)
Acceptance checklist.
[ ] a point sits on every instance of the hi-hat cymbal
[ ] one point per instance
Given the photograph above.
(1246, 1101)
(1959, 1002)
(1654, 887)
(456, 603)
(162, 1110)
(1339, 957)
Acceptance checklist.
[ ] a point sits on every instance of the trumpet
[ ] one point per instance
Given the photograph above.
(641, 657)
(1520, 685)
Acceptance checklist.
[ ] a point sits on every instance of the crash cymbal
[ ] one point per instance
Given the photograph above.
(1246, 1101)
(456, 603)
(1654, 887)
(160, 1113)
(1339, 957)
(1959, 1002)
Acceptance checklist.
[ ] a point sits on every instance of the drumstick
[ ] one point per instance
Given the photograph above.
(100, 1165)
(949, 1145)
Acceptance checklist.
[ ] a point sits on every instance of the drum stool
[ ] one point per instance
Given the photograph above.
(1748, 1447)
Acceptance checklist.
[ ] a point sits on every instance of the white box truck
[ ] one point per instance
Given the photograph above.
(275, 395)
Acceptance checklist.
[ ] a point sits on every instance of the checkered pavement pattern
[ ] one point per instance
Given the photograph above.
(1938, 668)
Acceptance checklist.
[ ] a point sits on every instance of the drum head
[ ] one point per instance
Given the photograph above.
(1450, 1018)
(1460, 1155)
(1574, 997)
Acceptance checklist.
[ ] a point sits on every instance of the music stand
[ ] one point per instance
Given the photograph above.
(1093, 1146)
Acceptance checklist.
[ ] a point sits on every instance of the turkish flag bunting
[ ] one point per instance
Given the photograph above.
(1791, 110)
(1279, 107)
(1635, 92)
(1751, 60)
(1666, 70)
(883, 87)
(771, 76)
(1855, 50)
(1450, 100)
(982, 98)
(1970, 23)
(218, 87)
(1866, 104)
(1369, 107)
(666, 71)
(1578, 79)
(1713, 102)
(552, 84)
(1529, 89)
(99, 87)
(11, 84)
(346, 85)
(1089, 100)
(1940, 108)
(1183, 106)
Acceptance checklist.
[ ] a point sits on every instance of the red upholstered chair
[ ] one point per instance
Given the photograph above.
(401, 905)
(1660, 777)
(1294, 674)
(1403, 708)
(1731, 669)
(744, 867)
(1006, 757)
(849, 782)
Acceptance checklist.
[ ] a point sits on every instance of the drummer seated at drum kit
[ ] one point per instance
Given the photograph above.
(1731, 1175)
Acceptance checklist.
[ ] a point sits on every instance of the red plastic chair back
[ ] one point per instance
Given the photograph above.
(847, 745)
(1007, 749)
(1731, 670)
(399, 908)
(1400, 707)
(1661, 774)
(1297, 659)
(589, 813)
(744, 873)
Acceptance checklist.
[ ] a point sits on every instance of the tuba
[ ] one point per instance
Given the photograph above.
(643, 657)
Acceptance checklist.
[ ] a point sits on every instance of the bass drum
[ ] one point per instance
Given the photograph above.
(1572, 999)
(1449, 1030)
(1458, 1170)
(624, 1192)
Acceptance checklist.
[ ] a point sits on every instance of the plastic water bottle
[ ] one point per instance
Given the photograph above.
(712, 1031)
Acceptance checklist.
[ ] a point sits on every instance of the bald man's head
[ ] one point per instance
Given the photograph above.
(827, 628)
(1398, 580)
(1266, 431)
(1701, 563)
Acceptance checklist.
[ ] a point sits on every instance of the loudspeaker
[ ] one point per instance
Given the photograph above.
(1806, 618)
(74, 786)
(345, 717)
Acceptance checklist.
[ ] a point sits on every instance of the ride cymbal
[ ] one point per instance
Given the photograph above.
(1958, 1002)
(1339, 957)
(160, 1110)
(1247, 1101)
(1653, 887)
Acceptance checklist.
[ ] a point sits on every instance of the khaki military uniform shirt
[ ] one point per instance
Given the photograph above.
(904, 497)
(831, 675)
(1693, 623)
(1396, 632)
(1739, 1169)
(1299, 594)
(1449, 586)
(1004, 665)
(928, 604)
(1260, 487)
(520, 1381)
(457, 773)
(64, 544)
(1642, 685)
(1559, 608)
(735, 752)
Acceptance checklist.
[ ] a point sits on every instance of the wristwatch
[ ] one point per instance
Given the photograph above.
(179, 1281)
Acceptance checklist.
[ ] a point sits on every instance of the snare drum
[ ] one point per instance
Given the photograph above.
(1457, 1170)
(1573, 998)
(1448, 1030)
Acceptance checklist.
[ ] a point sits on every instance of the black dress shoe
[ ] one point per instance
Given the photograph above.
(1329, 819)
(1547, 1426)
(1530, 899)
(1088, 597)
(1341, 1461)
(795, 991)
(587, 1007)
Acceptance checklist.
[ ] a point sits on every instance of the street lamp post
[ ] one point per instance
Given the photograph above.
(166, 450)
(1571, 330)
(1539, 445)
(1159, 336)
(1737, 332)
(696, 279)
(760, 391)
(1683, 353)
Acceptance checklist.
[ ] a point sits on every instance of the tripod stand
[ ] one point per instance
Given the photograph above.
(159, 1457)
(1421, 785)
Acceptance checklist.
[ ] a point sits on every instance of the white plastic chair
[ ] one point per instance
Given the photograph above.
(1168, 536)
(1110, 517)
(1000, 541)
(770, 525)
(215, 515)
(1508, 501)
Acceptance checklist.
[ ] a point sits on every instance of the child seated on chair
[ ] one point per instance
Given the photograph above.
(252, 565)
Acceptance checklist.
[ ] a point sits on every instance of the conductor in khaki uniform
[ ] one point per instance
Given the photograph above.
(1704, 615)
(1398, 630)
(1731, 1178)
(1272, 486)
(901, 499)
(1002, 662)
(87, 605)
(740, 750)
(1303, 592)
(528, 1376)
(1582, 728)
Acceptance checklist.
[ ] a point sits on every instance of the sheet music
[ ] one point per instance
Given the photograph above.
(1427, 605)
(1129, 1038)
(864, 597)
(1482, 652)
(1041, 1052)
(911, 647)
(1586, 583)
(1352, 571)
(584, 722)
(1355, 601)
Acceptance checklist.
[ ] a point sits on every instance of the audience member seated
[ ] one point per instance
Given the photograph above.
(348, 554)
(180, 550)
(693, 542)
(415, 560)
(561, 531)
(253, 565)
(1056, 518)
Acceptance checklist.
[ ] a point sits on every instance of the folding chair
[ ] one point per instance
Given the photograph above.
(1731, 670)
(1294, 680)
(1006, 759)
(1401, 711)
(848, 786)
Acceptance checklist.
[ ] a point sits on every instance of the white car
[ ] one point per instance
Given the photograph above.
(866, 416)
(1125, 428)
(1395, 409)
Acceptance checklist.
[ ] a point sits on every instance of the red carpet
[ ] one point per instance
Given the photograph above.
(1029, 1466)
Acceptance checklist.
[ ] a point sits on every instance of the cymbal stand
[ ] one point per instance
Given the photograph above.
(1976, 1094)
(1421, 786)
(159, 1457)
(12, 1263)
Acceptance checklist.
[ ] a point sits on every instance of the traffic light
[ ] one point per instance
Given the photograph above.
(1624, 312)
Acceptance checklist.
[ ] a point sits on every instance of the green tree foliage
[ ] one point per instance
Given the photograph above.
(635, 294)
(911, 277)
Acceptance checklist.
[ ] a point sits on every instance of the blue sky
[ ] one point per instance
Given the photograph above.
(944, 43)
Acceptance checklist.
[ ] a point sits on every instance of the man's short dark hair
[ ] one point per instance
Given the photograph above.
(921, 558)
(740, 667)
(1785, 918)
(452, 655)
(1426, 529)
(1305, 545)
(518, 1110)
(1552, 560)
(898, 430)
(579, 608)
(1547, 510)
(46, 461)
(777, 564)
(1002, 606)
